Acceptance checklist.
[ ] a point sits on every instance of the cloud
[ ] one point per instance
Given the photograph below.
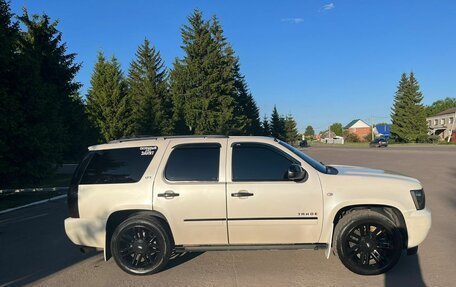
(292, 20)
(329, 6)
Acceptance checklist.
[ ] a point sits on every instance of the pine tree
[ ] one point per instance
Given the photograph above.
(290, 129)
(43, 120)
(420, 129)
(265, 127)
(108, 104)
(202, 82)
(148, 90)
(46, 89)
(11, 114)
(277, 125)
(309, 132)
(246, 107)
(408, 114)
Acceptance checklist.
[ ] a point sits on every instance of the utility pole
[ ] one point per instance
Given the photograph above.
(329, 133)
(452, 127)
(372, 127)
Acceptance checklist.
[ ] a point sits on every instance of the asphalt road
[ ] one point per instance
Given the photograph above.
(34, 249)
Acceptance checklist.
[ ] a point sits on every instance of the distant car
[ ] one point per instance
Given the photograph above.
(303, 143)
(378, 143)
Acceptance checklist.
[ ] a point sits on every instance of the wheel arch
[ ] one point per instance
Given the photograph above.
(390, 211)
(118, 217)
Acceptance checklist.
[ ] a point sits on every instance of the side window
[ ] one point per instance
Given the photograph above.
(193, 162)
(259, 162)
(123, 165)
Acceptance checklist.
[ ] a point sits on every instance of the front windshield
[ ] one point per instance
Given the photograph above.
(314, 163)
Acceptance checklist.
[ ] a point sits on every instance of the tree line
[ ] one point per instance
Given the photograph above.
(204, 92)
(45, 121)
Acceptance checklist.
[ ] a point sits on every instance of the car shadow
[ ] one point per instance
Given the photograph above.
(181, 258)
(33, 244)
(407, 272)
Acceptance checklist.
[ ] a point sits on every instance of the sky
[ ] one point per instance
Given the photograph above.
(321, 61)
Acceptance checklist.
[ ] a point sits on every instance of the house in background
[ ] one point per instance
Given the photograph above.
(331, 138)
(359, 128)
(382, 131)
(442, 124)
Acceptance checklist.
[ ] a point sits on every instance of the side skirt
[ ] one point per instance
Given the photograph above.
(201, 248)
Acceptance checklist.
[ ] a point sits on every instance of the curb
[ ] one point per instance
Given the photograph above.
(33, 203)
(36, 189)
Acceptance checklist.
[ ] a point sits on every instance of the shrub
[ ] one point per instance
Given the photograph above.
(351, 138)
(422, 139)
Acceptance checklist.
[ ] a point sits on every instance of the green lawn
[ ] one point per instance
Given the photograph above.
(390, 145)
(22, 198)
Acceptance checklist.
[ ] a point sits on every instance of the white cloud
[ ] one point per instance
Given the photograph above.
(329, 6)
(292, 20)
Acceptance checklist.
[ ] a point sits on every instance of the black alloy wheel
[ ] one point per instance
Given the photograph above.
(140, 246)
(369, 245)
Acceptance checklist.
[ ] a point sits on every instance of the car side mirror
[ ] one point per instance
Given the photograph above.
(296, 172)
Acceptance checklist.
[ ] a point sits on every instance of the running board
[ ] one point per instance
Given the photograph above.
(201, 248)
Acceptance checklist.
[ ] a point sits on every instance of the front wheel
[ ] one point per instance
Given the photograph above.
(368, 242)
(140, 246)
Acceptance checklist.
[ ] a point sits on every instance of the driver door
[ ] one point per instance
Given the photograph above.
(263, 205)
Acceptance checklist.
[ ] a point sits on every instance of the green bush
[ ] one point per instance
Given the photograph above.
(351, 138)
(423, 139)
(434, 139)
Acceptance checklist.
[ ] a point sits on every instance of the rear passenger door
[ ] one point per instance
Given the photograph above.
(189, 191)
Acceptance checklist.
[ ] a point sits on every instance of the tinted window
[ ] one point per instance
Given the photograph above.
(125, 165)
(80, 169)
(192, 162)
(254, 162)
(314, 163)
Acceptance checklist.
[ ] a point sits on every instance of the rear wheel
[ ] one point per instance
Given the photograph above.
(140, 245)
(368, 242)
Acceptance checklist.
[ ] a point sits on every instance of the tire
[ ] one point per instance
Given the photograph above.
(140, 245)
(368, 242)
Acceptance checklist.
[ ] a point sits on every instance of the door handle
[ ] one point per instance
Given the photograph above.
(168, 194)
(241, 194)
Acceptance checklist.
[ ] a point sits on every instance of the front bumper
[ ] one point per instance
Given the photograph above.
(418, 225)
(86, 232)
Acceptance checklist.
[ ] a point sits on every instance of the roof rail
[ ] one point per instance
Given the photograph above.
(146, 137)
(134, 138)
(196, 137)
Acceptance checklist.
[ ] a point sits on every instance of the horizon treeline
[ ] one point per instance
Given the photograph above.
(45, 121)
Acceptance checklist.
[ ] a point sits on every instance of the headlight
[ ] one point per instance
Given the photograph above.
(418, 198)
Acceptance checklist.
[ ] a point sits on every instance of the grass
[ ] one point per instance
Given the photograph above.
(22, 198)
(57, 180)
(353, 145)
(391, 145)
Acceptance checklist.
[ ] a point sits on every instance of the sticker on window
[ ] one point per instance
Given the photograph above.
(148, 150)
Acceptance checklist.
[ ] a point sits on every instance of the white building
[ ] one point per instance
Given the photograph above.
(442, 124)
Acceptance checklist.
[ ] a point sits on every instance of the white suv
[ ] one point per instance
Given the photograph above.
(140, 199)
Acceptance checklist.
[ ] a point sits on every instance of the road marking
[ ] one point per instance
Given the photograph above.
(33, 203)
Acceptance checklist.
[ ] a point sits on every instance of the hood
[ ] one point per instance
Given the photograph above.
(370, 172)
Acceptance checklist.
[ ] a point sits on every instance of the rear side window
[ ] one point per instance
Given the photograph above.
(193, 162)
(259, 162)
(123, 165)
